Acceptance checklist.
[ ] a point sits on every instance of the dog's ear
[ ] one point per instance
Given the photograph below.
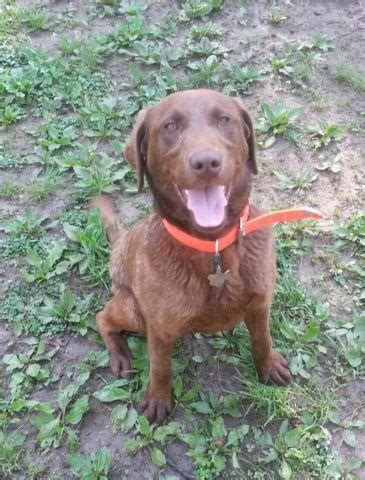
(136, 149)
(250, 136)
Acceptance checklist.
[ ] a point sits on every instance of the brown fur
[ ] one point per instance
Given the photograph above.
(160, 287)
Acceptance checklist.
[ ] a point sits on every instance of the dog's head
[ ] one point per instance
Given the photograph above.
(197, 151)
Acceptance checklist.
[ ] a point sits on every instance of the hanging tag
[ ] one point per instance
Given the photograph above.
(217, 278)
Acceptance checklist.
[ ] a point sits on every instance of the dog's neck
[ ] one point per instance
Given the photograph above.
(177, 214)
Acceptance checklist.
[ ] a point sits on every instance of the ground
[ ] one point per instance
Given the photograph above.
(73, 76)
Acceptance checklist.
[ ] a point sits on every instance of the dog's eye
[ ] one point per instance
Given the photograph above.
(223, 120)
(170, 126)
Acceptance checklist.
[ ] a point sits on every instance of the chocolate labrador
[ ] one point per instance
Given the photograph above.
(197, 150)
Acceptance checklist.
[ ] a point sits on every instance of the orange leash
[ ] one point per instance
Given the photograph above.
(281, 216)
(246, 227)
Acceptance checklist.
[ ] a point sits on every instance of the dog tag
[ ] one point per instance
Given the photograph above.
(218, 278)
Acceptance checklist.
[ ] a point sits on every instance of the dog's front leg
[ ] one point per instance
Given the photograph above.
(157, 401)
(269, 363)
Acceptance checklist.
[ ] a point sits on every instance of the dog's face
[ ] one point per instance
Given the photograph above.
(196, 148)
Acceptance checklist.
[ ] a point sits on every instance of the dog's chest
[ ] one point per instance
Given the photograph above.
(222, 307)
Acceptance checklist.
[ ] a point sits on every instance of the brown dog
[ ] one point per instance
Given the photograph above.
(196, 149)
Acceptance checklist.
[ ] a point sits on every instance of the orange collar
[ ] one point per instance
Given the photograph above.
(245, 226)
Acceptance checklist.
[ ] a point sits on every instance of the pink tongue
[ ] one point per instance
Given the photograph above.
(207, 205)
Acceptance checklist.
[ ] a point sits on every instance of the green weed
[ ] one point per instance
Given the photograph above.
(104, 8)
(68, 312)
(65, 19)
(36, 79)
(103, 175)
(76, 215)
(208, 30)
(302, 181)
(30, 367)
(35, 19)
(196, 9)
(323, 133)
(23, 233)
(127, 33)
(82, 155)
(215, 406)
(295, 66)
(9, 157)
(301, 75)
(27, 224)
(348, 248)
(239, 79)
(10, 114)
(128, 7)
(351, 234)
(297, 61)
(93, 467)
(206, 47)
(91, 248)
(45, 268)
(297, 321)
(317, 42)
(333, 166)
(50, 308)
(277, 120)
(206, 72)
(212, 444)
(282, 65)
(106, 119)
(151, 52)
(293, 241)
(147, 95)
(275, 16)
(303, 450)
(55, 422)
(56, 134)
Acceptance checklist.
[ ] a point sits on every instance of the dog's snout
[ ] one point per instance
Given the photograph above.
(206, 164)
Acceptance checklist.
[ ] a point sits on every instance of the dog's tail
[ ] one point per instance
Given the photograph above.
(108, 216)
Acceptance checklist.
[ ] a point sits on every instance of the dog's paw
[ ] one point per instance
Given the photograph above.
(121, 364)
(275, 369)
(155, 410)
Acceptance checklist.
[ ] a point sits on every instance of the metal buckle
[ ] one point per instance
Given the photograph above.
(242, 227)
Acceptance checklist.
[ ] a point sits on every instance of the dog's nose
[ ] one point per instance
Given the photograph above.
(206, 164)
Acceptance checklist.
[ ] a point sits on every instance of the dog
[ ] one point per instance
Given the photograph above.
(197, 150)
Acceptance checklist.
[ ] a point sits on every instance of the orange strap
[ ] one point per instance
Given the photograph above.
(215, 246)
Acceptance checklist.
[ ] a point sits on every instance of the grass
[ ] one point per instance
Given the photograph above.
(348, 75)
(9, 189)
(44, 186)
(10, 451)
(75, 104)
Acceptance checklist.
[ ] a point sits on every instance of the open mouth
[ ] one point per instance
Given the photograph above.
(207, 204)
